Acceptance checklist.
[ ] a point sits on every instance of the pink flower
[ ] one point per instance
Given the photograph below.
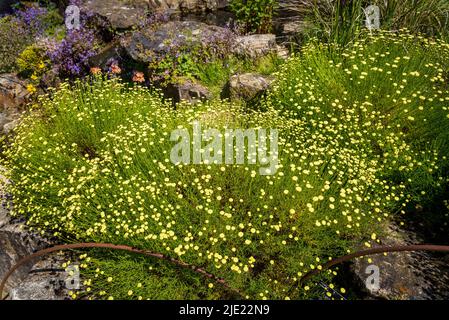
(115, 69)
(95, 70)
(138, 77)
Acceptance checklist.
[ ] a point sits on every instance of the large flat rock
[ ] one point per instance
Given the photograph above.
(41, 279)
(246, 86)
(143, 45)
(5, 6)
(120, 14)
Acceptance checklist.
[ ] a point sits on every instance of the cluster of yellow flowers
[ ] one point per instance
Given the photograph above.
(95, 166)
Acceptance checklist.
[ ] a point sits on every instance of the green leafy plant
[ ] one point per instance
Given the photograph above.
(91, 163)
(255, 15)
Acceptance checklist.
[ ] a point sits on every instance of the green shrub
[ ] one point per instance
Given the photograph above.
(400, 76)
(92, 163)
(338, 21)
(54, 23)
(32, 63)
(255, 15)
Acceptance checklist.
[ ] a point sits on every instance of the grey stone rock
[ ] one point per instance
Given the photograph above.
(34, 289)
(246, 86)
(143, 45)
(282, 52)
(8, 120)
(292, 27)
(5, 6)
(16, 243)
(187, 90)
(255, 45)
(45, 281)
(221, 18)
(13, 92)
(122, 15)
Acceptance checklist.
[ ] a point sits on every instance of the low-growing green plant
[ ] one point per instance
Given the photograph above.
(401, 76)
(92, 163)
(255, 15)
(32, 63)
(217, 72)
(182, 59)
(14, 38)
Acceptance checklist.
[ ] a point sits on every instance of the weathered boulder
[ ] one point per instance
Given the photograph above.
(117, 14)
(246, 86)
(188, 5)
(255, 45)
(43, 279)
(142, 46)
(10, 126)
(282, 52)
(186, 90)
(404, 275)
(221, 18)
(5, 6)
(13, 96)
(122, 15)
(112, 51)
(13, 91)
(16, 243)
(9, 119)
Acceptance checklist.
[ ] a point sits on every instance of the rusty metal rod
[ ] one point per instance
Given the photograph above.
(377, 250)
(182, 264)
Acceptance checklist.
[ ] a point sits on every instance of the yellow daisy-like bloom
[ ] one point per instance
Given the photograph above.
(31, 89)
